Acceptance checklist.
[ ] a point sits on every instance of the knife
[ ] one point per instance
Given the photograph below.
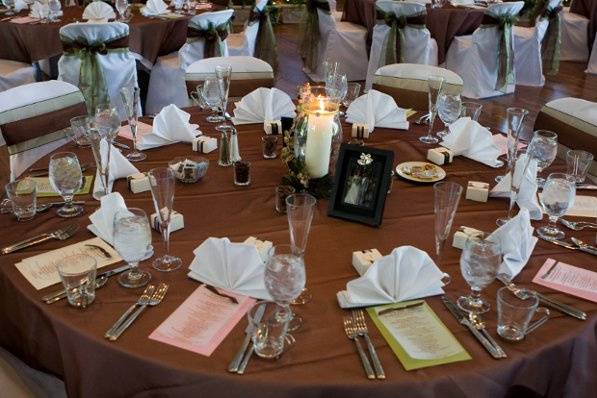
(585, 247)
(564, 308)
(107, 274)
(463, 319)
(236, 361)
(561, 243)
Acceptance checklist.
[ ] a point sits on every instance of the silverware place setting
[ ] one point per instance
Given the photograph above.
(352, 333)
(59, 234)
(577, 225)
(576, 245)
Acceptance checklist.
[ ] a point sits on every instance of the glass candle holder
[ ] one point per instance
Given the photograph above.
(269, 144)
(242, 173)
(282, 192)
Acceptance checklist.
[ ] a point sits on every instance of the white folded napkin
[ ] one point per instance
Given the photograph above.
(377, 109)
(171, 125)
(154, 7)
(39, 10)
(462, 2)
(517, 243)
(407, 273)
(236, 267)
(468, 138)
(527, 194)
(120, 167)
(263, 104)
(20, 5)
(102, 220)
(98, 11)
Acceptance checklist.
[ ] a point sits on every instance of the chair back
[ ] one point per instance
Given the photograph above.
(408, 8)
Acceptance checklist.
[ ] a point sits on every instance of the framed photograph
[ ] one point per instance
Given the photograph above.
(362, 180)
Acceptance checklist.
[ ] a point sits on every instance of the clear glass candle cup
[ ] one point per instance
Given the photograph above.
(282, 192)
(515, 312)
(77, 273)
(242, 173)
(269, 144)
(23, 196)
(578, 163)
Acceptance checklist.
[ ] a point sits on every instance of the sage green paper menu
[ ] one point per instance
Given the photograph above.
(45, 190)
(416, 335)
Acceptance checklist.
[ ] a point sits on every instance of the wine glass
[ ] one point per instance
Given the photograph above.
(66, 178)
(545, 148)
(224, 74)
(210, 92)
(556, 199)
(435, 85)
(130, 99)
(94, 137)
(514, 119)
(446, 198)
(9, 4)
(470, 109)
(448, 109)
(132, 240)
(352, 93)
(161, 182)
(284, 278)
(122, 7)
(479, 263)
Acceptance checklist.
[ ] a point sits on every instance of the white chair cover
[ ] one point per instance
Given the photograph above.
(118, 68)
(475, 57)
(575, 30)
(334, 9)
(592, 67)
(419, 48)
(166, 82)
(243, 43)
(13, 74)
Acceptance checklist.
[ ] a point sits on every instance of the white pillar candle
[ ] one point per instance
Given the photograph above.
(319, 142)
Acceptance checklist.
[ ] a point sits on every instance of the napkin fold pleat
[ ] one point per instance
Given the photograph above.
(98, 10)
(263, 104)
(120, 167)
(170, 126)
(102, 220)
(470, 139)
(377, 109)
(154, 7)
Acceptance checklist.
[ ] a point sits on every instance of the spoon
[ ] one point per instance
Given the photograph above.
(584, 246)
(99, 283)
(577, 225)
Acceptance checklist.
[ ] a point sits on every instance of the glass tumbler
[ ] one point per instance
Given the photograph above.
(23, 196)
(578, 163)
(77, 273)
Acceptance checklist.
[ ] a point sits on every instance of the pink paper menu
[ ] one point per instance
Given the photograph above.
(202, 321)
(142, 129)
(568, 279)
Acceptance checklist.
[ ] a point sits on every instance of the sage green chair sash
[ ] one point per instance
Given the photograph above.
(550, 46)
(505, 51)
(392, 52)
(91, 77)
(310, 27)
(265, 45)
(213, 36)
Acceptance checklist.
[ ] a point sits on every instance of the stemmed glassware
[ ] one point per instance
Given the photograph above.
(122, 7)
(556, 199)
(224, 74)
(545, 149)
(479, 263)
(66, 178)
(514, 119)
(435, 84)
(162, 182)
(132, 240)
(446, 198)
(336, 87)
(107, 123)
(55, 8)
(578, 163)
(210, 92)
(9, 4)
(470, 109)
(330, 69)
(448, 109)
(130, 98)
(352, 93)
(94, 137)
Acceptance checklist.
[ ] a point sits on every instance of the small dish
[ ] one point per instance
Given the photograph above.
(189, 169)
(420, 171)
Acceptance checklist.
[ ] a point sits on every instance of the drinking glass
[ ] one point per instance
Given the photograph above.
(330, 68)
(22, 195)
(470, 109)
(514, 119)
(300, 208)
(544, 146)
(77, 273)
(78, 126)
(130, 99)
(55, 8)
(446, 198)
(9, 4)
(132, 240)
(224, 74)
(94, 136)
(66, 178)
(578, 163)
(121, 7)
(269, 333)
(435, 84)
(210, 92)
(107, 122)
(161, 182)
(197, 97)
(352, 93)
(556, 199)
(515, 313)
(336, 87)
(448, 109)
(284, 278)
(479, 262)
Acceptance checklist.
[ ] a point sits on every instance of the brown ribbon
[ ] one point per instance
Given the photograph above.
(213, 36)
(101, 48)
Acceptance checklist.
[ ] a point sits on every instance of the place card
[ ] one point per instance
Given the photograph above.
(41, 270)
(416, 335)
(501, 141)
(44, 188)
(203, 320)
(142, 129)
(569, 279)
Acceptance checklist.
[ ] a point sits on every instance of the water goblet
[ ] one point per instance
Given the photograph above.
(224, 74)
(556, 199)
(479, 263)
(210, 92)
(544, 146)
(66, 178)
(435, 85)
(130, 98)
(162, 182)
(448, 110)
(471, 109)
(132, 240)
(446, 198)
(78, 127)
(578, 163)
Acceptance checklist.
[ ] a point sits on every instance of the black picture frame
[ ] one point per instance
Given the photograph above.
(359, 192)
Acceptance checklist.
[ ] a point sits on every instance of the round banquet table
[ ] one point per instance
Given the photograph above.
(443, 23)
(557, 359)
(31, 42)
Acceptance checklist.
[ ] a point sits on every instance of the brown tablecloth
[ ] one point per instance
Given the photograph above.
(443, 23)
(588, 8)
(556, 360)
(149, 37)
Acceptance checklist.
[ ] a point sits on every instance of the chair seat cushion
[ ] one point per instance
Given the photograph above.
(243, 68)
(577, 109)
(414, 77)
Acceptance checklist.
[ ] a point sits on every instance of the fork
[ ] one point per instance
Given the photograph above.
(358, 319)
(577, 225)
(59, 234)
(145, 297)
(155, 299)
(351, 333)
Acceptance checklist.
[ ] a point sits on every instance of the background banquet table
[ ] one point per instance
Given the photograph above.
(557, 359)
(149, 37)
(444, 23)
(587, 8)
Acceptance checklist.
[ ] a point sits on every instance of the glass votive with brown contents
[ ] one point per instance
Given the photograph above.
(282, 191)
(242, 173)
(270, 146)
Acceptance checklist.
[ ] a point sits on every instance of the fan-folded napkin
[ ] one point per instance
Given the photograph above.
(407, 273)
(377, 109)
(39, 10)
(20, 5)
(468, 138)
(263, 104)
(98, 11)
(120, 167)
(102, 220)
(170, 126)
(154, 7)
